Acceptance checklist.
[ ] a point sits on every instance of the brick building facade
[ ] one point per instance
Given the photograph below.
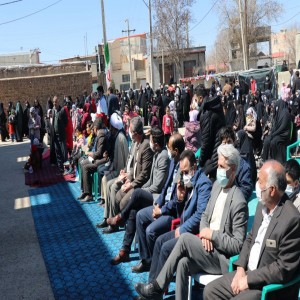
(42, 82)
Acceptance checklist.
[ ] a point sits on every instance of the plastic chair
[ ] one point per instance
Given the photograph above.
(288, 151)
(95, 187)
(270, 287)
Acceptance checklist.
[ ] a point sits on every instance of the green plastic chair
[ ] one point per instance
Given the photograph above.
(270, 287)
(198, 153)
(288, 151)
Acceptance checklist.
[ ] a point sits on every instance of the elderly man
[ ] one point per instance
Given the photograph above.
(137, 176)
(271, 252)
(119, 152)
(223, 229)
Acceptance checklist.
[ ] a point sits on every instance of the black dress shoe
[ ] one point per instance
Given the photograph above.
(103, 224)
(110, 229)
(87, 198)
(149, 291)
(82, 196)
(141, 267)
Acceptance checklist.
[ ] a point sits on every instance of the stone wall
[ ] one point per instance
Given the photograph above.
(44, 86)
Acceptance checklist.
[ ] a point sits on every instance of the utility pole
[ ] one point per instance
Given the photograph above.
(246, 35)
(151, 45)
(102, 78)
(163, 66)
(242, 34)
(129, 47)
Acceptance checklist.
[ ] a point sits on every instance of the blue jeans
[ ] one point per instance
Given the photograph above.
(148, 230)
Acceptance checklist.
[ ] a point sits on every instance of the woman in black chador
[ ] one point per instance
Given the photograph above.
(19, 122)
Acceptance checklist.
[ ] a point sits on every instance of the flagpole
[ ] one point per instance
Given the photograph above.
(104, 38)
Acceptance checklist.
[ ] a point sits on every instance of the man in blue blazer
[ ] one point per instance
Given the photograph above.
(188, 203)
(148, 215)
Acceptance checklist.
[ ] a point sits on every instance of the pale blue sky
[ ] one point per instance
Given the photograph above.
(59, 30)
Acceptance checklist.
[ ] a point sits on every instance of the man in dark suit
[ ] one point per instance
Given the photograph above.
(222, 230)
(151, 221)
(138, 175)
(59, 123)
(271, 252)
(144, 196)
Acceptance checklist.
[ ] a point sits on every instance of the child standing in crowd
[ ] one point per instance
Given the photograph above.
(127, 115)
(76, 152)
(167, 125)
(11, 125)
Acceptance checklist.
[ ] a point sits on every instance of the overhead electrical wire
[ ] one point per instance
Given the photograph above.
(204, 16)
(17, 19)
(11, 2)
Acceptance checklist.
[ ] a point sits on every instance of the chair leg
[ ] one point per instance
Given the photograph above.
(190, 287)
(95, 185)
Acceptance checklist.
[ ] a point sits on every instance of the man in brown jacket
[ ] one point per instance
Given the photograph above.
(138, 175)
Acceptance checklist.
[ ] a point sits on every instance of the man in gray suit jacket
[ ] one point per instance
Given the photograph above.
(271, 252)
(223, 229)
(143, 197)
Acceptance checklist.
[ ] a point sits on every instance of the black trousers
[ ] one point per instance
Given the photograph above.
(60, 151)
(139, 199)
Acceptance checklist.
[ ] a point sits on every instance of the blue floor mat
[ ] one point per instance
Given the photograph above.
(75, 252)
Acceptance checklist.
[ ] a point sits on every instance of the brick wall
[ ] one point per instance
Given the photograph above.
(42, 87)
(41, 70)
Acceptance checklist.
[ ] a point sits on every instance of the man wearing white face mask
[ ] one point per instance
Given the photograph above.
(271, 251)
(222, 232)
(292, 174)
(152, 221)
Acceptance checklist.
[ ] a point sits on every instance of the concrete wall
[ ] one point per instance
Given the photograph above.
(43, 87)
(41, 70)
(31, 57)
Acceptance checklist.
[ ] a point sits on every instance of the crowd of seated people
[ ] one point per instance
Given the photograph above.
(150, 176)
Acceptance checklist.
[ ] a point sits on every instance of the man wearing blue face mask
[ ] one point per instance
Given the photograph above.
(292, 174)
(222, 230)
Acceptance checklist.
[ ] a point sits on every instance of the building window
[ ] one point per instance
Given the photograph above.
(126, 78)
(124, 87)
(188, 67)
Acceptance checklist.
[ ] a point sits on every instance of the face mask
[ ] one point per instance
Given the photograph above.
(237, 112)
(289, 190)
(259, 193)
(152, 146)
(222, 177)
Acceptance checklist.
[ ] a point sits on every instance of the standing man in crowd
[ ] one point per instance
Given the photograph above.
(59, 124)
(112, 102)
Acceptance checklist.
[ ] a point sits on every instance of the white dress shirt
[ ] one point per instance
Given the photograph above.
(256, 248)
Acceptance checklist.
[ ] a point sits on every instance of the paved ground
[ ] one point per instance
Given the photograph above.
(22, 269)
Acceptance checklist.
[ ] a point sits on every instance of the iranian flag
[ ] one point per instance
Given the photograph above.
(107, 65)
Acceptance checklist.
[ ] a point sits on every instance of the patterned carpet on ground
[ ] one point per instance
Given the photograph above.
(75, 252)
(47, 175)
